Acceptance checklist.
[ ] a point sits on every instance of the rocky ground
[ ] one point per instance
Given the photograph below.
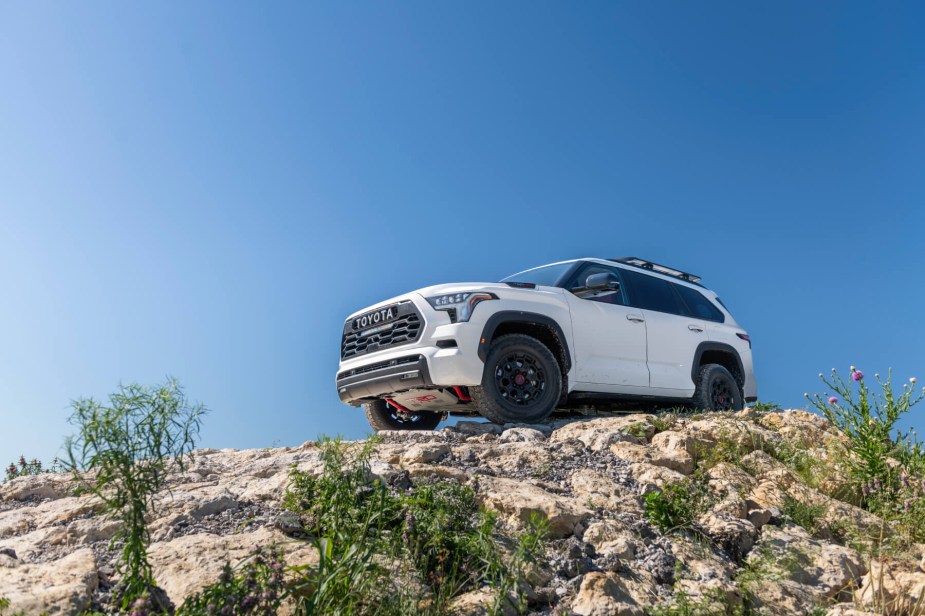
(588, 477)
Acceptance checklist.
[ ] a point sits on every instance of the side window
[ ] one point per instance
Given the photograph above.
(651, 293)
(605, 296)
(698, 305)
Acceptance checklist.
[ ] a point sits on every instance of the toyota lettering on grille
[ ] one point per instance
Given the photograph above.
(370, 319)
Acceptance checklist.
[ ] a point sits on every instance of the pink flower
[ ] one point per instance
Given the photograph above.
(833, 400)
(857, 375)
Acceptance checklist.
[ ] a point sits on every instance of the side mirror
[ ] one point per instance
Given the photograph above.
(599, 282)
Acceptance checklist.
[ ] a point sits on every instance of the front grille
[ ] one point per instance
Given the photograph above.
(405, 329)
(400, 361)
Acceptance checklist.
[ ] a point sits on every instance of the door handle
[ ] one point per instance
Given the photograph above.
(695, 328)
(635, 318)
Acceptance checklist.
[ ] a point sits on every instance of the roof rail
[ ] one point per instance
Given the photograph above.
(655, 267)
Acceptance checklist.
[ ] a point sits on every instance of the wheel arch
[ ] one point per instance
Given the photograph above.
(539, 326)
(718, 353)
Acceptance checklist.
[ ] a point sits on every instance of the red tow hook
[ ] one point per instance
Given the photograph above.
(459, 393)
(398, 406)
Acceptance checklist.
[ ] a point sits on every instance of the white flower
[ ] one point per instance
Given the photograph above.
(853, 368)
(913, 380)
(820, 375)
(806, 395)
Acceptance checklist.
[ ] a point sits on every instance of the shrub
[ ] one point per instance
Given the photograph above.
(713, 602)
(803, 514)
(398, 552)
(5, 605)
(675, 506)
(760, 406)
(887, 468)
(255, 589)
(867, 419)
(24, 468)
(122, 453)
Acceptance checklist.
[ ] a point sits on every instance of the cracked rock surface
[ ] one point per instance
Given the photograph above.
(589, 477)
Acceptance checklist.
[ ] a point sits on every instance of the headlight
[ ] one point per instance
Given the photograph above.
(460, 305)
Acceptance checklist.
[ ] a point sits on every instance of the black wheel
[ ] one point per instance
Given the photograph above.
(521, 382)
(717, 390)
(383, 416)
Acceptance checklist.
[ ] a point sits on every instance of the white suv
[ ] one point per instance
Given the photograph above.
(566, 335)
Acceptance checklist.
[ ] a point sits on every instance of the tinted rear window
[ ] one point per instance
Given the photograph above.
(651, 293)
(698, 305)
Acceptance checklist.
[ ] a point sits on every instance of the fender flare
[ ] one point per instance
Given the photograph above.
(703, 347)
(519, 316)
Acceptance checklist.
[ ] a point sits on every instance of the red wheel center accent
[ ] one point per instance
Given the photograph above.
(520, 379)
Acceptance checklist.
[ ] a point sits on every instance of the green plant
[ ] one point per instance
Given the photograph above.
(675, 506)
(256, 588)
(123, 453)
(24, 468)
(759, 406)
(803, 514)
(639, 429)
(714, 602)
(867, 418)
(886, 467)
(436, 541)
(5, 605)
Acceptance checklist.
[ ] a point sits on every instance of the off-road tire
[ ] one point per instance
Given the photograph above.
(521, 382)
(382, 416)
(717, 390)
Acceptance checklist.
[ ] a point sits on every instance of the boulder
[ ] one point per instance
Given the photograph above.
(521, 435)
(517, 501)
(734, 535)
(603, 594)
(651, 477)
(187, 564)
(806, 571)
(892, 586)
(479, 603)
(610, 537)
(679, 461)
(596, 489)
(424, 453)
(599, 434)
(61, 586)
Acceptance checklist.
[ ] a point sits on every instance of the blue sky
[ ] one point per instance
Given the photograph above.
(206, 189)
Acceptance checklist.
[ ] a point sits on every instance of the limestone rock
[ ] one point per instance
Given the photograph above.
(596, 489)
(893, 587)
(604, 595)
(479, 603)
(610, 537)
(38, 487)
(599, 434)
(654, 477)
(517, 501)
(521, 435)
(734, 535)
(61, 586)
(424, 453)
(811, 570)
(185, 565)
(679, 461)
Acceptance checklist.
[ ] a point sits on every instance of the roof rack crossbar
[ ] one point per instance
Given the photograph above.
(655, 267)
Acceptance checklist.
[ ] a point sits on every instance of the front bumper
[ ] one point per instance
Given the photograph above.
(381, 378)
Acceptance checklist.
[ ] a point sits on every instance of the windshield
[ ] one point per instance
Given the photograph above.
(548, 275)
